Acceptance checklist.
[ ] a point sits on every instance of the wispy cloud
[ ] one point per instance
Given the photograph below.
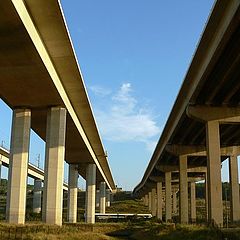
(100, 91)
(125, 120)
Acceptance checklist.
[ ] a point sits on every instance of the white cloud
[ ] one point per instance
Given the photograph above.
(100, 91)
(124, 120)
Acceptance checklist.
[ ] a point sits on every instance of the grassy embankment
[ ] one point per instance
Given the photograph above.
(131, 229)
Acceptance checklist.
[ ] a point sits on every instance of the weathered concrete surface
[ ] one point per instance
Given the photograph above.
(18, 165)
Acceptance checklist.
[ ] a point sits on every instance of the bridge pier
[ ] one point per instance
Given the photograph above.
(90, 193)
(183, 187)
(72, 193)
(168, 197)
(97, 198)
(159, 200)
(37, 196)
(193, 202)
(54, 166)
(108, 198)
(234, 188)
(174, 201)
(18, 166)
(0, 171)
(150, 201)
(146, 200)
(102, 197)
(154, 209)
(215, 206)
(206, 196)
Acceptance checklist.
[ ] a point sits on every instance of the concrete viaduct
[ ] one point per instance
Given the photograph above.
(203, 127)
(42, 82)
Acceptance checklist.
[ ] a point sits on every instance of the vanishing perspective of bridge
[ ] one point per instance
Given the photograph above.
(203, 127)
(42, 83)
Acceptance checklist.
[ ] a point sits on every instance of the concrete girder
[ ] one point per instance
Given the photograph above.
(208, 113)
(174, 180)
(193, 151)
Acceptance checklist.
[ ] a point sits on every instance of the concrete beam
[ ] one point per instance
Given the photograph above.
(178, 150)
(176, 179)
(195, 170)
(209, 113)
(196, 151)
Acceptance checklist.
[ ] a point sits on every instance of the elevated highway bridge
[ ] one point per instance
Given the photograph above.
(205, 117)
(42, 82)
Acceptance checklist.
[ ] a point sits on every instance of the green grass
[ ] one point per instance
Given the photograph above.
(149, 229)
(128, 206)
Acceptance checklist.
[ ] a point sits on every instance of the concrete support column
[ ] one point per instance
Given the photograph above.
(234, 188)
(146, 200)
(18, 166)
(174, 201)
(37, 195)
(183, 187)
(72, 192)
(150, 201)
(102, 197)
(108, 198)
(193, 202)
(54, 166)
(168, 197)
(206, 196)
(154, 206)
(0, 169)
(97, 198)
(159, 200)
(215, 206)
(90, 193)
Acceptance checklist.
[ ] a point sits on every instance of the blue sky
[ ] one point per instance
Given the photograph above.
(133, 56)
